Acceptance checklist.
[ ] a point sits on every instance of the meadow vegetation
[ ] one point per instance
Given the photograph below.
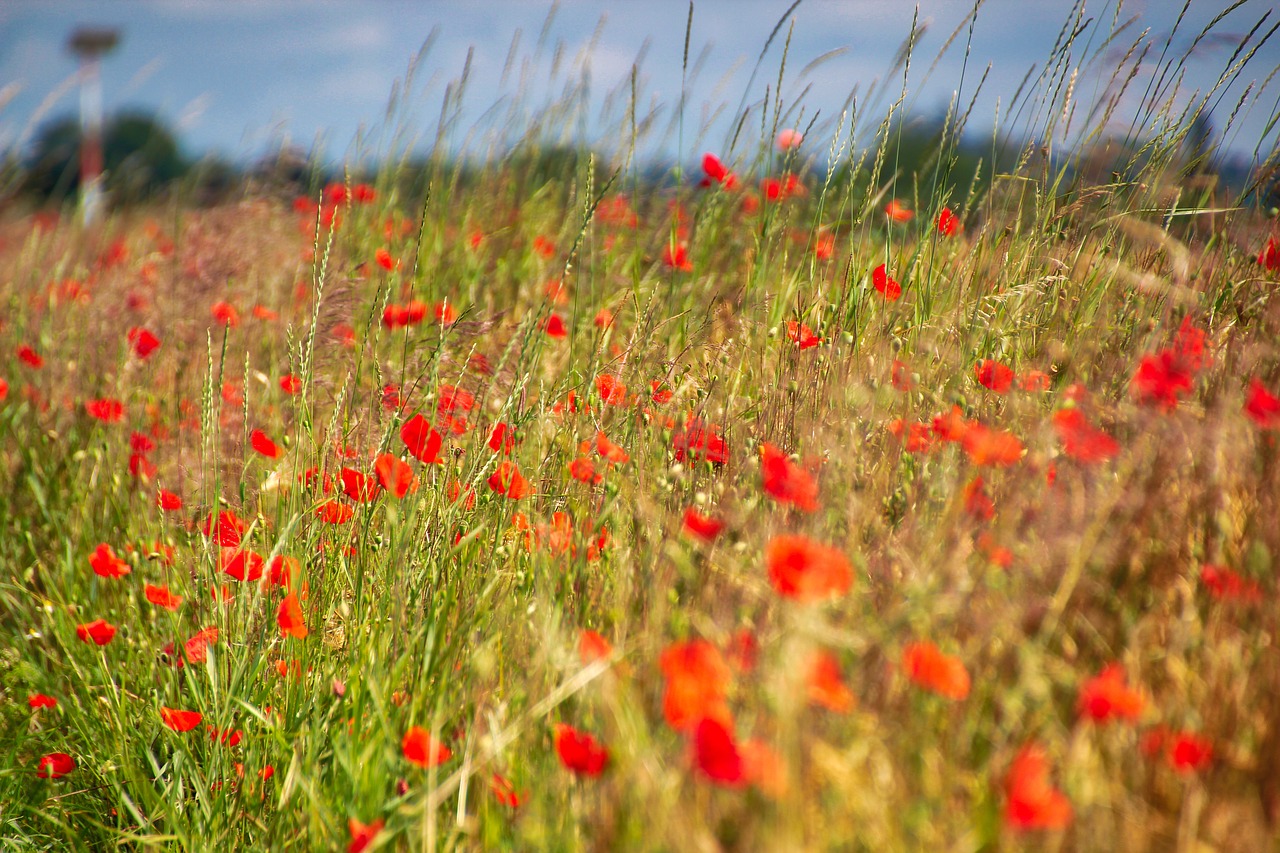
(805, 499)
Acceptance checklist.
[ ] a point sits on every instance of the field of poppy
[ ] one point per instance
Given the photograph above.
(758, 509)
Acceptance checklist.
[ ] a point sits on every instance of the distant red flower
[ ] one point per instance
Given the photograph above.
(106, 564)
(948, 223)
(702, 526)
(717, 173)
(39, 700)
(30, 357)
(554, 326)
(612, 452)
(55, 765)
(1269, 257)
(384, 259)
(1080, 439)
(700, 440)
(676, 257)
(161, 596)
(261, 443)
(805, 570)
(1226, 585)
(994, 375)
(422, 440)
(1107, 697)
(180, 721)
(362, 834)
(143, 341)
(227, 530)
(802, 335)
(882, 282)
(1188, 752)
(788, 138)
(107, 410)
(1034, 381)
(986, 446)
(225, 314)
(785, 481)
(1031, 801)
(697, 680)
(262, 312)
(290, 619)
(716, 755)
(504, 791)
(583, 470)
(579, 751)
(1262, 407)
(335, 512)
(507, 480)
(977, 502)
(592, 646)
(896, 212)
(99, 632)
(612, 391)
(939, 673)
(826, 686)
(420, 748)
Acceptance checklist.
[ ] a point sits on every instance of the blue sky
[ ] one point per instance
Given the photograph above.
(239, 78)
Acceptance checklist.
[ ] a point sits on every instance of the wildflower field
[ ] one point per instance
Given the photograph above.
(792, 502)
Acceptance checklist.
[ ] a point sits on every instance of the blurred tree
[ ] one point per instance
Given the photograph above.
(140, 157)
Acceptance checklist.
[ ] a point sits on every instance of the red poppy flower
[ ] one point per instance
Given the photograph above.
(610, 451)
(262, 312)
(676, 257)
(445, 314)
(1262, 407)
(360, 487)
(896, 212)
(420, 748)
(986, 446)
(502, 439)
(554, 326)
(290, 618)
(384, 259)
(659, 392)
(928, 667)
(1161, 379)
(227, 531)
(39, 700)
(592, 646)
(702, 526)
(1189, 752)
(422, 440)
(579, 751)
(106, 564)
(335, 512)
(1080, 439)
(362, 834)
(225, 314)
(805, 570)
(716, 755)
(802, 335)
(241, 563)
(195, 648)
(161, 596)
(826, 685)
(143, 341)
(1106, 697)
(107, 410)
(697, 684)
(583, 470)
(977, 502)
(785, 481)
(612, 391)
(180, 721)
(881, 280)
(55, 765)
(99, 631)
(1269, 257)
(507, 480)
(700, 440)
(394, 475)
(168, 501)
(1226, 585)
(263, 444)
(30, 357)
(504, 791)
(1031, 802)
(717, 173)
(994, 375)
(290, 384)
(948, 223)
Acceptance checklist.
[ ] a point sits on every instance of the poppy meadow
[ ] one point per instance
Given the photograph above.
(795, 500)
